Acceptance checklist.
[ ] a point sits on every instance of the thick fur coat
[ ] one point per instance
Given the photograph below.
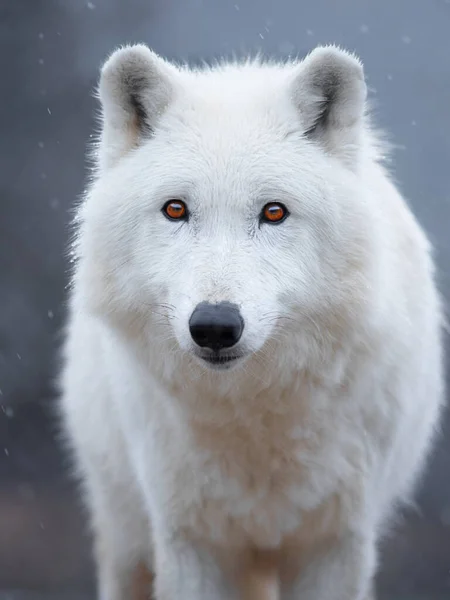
(268, 469)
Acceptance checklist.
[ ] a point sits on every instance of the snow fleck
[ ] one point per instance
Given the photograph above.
(49, 111)
(41, 525)
(54, 203)
(43, 176)
(41, 36)
(41, 61)
(413, 123)
(261, 36)
(50, 314)
(9, 411)
(6, 451)
(406, 39)
(236, 7)
(390, 77)
(18, 356)
(309, 32)
(364, 29)
(41, 144)
(90, 5)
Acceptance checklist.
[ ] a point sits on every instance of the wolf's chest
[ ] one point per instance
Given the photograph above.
(248, 489)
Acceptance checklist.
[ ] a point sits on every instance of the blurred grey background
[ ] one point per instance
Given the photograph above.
(51, 52)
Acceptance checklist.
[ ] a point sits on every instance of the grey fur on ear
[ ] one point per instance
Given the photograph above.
(330, 93)
(134, 89)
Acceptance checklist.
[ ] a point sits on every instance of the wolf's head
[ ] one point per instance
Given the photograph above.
(227, 211)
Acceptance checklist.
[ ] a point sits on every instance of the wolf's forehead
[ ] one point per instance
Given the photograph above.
(218, 134)
(229, 154)
(231, 128)
(217, 121)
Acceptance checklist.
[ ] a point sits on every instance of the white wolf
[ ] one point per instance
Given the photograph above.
(253, 369)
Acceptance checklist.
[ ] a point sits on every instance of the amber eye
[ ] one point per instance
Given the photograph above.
(175, 210)
(274, 212)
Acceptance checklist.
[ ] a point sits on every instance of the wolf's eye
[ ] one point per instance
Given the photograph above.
(175, 210)
(274, 212)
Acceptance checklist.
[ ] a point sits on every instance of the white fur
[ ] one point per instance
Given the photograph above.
(297, 455)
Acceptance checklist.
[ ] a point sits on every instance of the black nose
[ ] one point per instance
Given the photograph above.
(216, 326)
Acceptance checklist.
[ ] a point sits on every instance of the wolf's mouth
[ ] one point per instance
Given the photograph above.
(220, 361)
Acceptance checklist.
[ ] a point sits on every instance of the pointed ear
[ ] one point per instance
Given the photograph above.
(329, 92)
(135, 88)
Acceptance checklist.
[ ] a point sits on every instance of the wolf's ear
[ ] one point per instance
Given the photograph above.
(134, 89)
(329, 92)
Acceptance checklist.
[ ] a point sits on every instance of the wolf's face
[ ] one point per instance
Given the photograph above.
(226, 211)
